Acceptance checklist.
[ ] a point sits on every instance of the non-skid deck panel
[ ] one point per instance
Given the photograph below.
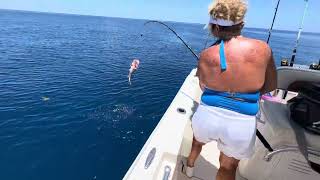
(206, 166)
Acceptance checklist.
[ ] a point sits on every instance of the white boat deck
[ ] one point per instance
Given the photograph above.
(206, 166)
(172, 139)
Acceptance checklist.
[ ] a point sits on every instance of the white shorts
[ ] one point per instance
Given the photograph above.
(235, 133)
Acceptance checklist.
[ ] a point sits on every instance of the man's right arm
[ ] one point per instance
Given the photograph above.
(270, 82)
(201, 67)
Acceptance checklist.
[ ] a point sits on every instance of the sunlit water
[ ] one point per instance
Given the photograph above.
(66, 109)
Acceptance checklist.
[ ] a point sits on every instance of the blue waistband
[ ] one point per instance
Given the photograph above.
(244, 103)
(249, 97)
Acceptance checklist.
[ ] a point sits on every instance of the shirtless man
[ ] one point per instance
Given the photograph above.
(134, 66)
(233, 74)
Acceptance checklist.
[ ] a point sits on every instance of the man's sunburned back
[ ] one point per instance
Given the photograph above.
(247, 61)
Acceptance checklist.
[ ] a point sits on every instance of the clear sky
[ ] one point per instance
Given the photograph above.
(259, 15)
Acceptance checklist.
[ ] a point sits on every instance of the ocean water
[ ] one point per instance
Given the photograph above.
(66, 108)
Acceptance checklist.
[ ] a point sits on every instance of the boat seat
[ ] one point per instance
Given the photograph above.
(280, 130)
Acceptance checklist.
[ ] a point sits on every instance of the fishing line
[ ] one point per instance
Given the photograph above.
(175, 33)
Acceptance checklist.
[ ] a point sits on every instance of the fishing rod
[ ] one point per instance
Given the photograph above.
(258, 133)
(176, 34)
(274, 18)
(299, 33)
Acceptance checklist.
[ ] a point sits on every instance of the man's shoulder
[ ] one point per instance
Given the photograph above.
(262, 48)
(208, 53)
(258, 43)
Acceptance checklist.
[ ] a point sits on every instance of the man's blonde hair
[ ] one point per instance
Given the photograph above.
(232, 10)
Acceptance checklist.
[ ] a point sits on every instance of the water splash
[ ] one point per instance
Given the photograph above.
(115, 117)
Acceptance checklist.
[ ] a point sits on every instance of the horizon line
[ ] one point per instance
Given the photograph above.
(91, 15)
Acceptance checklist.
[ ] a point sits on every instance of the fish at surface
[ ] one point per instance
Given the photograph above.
(134, 66)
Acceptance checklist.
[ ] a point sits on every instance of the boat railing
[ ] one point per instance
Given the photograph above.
(289, 148)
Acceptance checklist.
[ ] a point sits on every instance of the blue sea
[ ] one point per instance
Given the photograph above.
(67, 111)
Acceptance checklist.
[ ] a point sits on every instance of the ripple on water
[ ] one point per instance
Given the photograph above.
(117, 120)
(112, 116)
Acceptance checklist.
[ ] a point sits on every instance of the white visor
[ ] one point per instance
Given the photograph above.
(221, 22)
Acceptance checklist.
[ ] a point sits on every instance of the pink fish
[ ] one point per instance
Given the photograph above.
(134, 66)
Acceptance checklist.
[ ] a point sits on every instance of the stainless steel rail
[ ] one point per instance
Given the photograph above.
(269, 155)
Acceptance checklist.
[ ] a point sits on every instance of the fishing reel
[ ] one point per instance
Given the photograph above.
(284, 62)
(315, 66)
